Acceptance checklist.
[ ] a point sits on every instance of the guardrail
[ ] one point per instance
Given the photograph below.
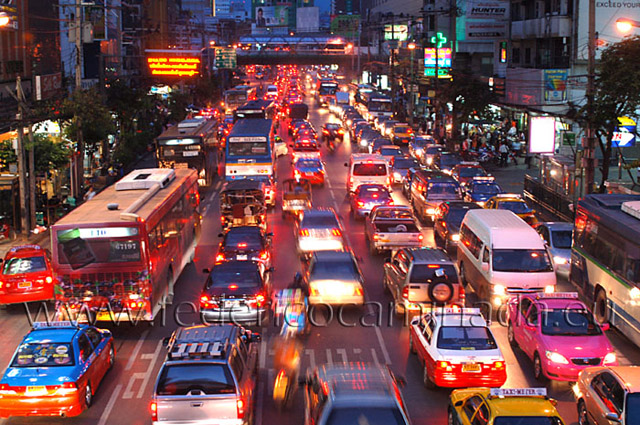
(548, 200)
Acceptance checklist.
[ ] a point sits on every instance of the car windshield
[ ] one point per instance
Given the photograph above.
(632, 409)
(243, 240)
(442, 189)
(319, 221)
(244, 277)
(331, 269)
(466, 338)
(25, 265)
(434, 150)
(487, 189)
(518, 207)
(43, 354)
(332, 126)
(527, 420)
(182, 379)
(521, 260)
(373, 193)
(390, 152)
(561, 239)
(405, 163)
(364, 169)
(247, 148)
(365, 416)
(449, 160)
(422, 273)
(569, 322)
(308, 163)
(471, 172)
(455, 216)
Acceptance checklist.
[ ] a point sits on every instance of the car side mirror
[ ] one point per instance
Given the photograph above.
(206, 270)
(604, 326)
(255, 337)
(485, 267)
(220, 235)
(165, 341)
(387, 260)
(612, 417)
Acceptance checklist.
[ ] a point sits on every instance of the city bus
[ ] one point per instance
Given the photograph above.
(238, 96)
(265, 109)
(605, 259)
(373, 104)
(118, 255)
(190, 144)
(249, 150)
(326, 90)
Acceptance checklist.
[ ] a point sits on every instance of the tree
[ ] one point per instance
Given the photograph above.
(617, 94)
(90, 110)
(7, 155)
(178, 103)
(49, 155)
(468, 96)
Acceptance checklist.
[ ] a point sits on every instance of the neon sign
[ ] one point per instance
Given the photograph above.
(174, 66)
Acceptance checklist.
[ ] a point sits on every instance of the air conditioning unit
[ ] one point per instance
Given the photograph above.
(632, 208)
(146, 178)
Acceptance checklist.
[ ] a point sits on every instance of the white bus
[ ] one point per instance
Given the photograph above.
(605, 259)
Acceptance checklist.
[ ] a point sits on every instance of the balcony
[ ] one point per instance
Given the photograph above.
(549, 26)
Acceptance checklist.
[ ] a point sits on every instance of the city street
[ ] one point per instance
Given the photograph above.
(123, 397)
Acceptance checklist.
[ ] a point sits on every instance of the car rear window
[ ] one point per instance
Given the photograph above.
(242, 277)
(369, 170)
(243, 240)
(527, 420)
(319, 221)
(423, 273)
(43, 354)
(365, 415)
(24, 265)
(466, 338)
(390, 151)
(181, 379)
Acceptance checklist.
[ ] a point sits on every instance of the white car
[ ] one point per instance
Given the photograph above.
(319, 230)
(457, 348)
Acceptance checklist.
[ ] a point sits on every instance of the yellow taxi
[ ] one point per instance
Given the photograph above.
(514, 203)
(502, 406)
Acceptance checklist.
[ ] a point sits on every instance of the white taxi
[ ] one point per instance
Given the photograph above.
(457, 349)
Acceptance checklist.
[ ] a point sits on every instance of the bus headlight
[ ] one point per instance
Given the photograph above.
(455, 237)
(549, 289)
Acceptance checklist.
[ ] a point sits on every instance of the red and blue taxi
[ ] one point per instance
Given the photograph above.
(26, 275)
(466, 171)
(559, 333)
(56, 370)
(502, 406)
(309, 168)
(457, 349)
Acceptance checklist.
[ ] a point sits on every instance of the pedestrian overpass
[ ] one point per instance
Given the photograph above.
(295, 50)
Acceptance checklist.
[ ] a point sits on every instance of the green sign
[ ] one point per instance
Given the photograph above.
(442, 72)
(568, 138)
(226, 58)
(345, 25)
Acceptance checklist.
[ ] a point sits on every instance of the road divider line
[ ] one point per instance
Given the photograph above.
(312, 357)
(375, 356)
(329, 357)
(343, 353)
(104, 418)
(263, 355)
(147, 374)
(136, 350)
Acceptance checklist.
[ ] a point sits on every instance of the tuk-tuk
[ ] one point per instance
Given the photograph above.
(242, 203)
(296, 196)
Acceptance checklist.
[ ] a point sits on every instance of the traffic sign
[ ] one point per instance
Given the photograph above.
(226, 58)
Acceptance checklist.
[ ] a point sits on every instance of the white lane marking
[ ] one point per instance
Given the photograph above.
(329, 357)
(145, 382)
(375, 356)
(128, 392)
(136, 349)
(328, 183)
(357, 351)
(263, 354)
(259, 404)
(343, 353)
(333, 198)
(112, 402)
(312, 358)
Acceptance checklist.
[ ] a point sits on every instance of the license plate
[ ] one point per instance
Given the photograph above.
(474, 367)
(308, 174)
(231, 304)
(24, 284)
(190, 153)
(241, 257)
(36, 390)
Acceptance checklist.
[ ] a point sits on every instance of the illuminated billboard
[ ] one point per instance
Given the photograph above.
(174, 66)
(396, 32)
(444, 57)
(542, 134)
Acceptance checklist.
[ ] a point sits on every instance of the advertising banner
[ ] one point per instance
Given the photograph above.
(624, 136)
(174, 66)
(484, 30)
(98, 19)
(444, 57)
(542, 134)
(555, 85)
(272, 16)
(495, 10)
(396, 32)
(308, 19)
(345, 25)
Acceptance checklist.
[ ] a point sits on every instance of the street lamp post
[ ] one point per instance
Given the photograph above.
(625, 25)
(412, 47)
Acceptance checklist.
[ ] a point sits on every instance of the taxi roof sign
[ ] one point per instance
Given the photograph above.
(484, 179)
(518, 392)
(558, 295)
(54, 324)
(457, 310)
(21, 247)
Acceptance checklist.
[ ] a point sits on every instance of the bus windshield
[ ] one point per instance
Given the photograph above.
(248, 148)
(379, 106)
(79, 247)
(328, 89)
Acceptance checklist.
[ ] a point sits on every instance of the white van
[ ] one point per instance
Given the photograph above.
(367, 169)
(500, 255)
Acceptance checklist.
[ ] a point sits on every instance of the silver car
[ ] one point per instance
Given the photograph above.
(319, 230)
(558, 235)
(334, 278)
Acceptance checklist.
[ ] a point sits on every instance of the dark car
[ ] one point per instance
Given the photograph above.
(236, 291)
(445, 161)
(246, 243)
(480, 189)
(448, 218)
(368, 196)
(332, 131)
(356, 128)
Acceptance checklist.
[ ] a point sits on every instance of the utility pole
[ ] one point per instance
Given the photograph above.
(32, 178)
(589, 147)
(436, 124)
(359, 41)
(22, 177)
(77, 163)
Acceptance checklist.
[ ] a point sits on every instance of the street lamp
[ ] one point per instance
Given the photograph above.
(412, 47)
(625, 25)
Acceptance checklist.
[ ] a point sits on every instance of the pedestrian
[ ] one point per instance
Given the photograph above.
(465, 146)
(504, 154)
(527, 158)
(90, 193)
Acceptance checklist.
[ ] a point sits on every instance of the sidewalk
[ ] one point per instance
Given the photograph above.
(511, 178)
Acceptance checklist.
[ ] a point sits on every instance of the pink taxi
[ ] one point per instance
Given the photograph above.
(559, 333)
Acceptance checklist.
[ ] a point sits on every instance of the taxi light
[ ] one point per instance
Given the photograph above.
(556, 357)
(609, 359)
(336, 232)
(154, 410)
(219, 258)
(549, 289)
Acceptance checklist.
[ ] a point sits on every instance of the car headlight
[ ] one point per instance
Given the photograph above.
(431, 211)
(455, 237)
(419, 152)
(556, 357)
(387, 132)
(499, 289)
(447, 172)
(429, 161)
(397, 175)
(559, 260)
(363, 143)
(481, 203)
(549, 289)
(609, 358)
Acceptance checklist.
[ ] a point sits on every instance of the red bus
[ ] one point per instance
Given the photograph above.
(118, 255)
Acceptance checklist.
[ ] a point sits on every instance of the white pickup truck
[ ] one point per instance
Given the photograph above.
(390, 228)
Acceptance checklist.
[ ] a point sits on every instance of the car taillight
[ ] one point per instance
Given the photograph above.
(498, 365)
(220, 257)
(153, 407)
(259, 300)
(357, 291)
(390, 202)
(405, 292)
(64, 389)
(336, 232)
(304, 232)
(462, 294)
(48, 279)
(444, 365)
(376, 237)
(264, 255)
(420, 237)
(240, 406)
(341, 131)
(360, 204)
(5, 389)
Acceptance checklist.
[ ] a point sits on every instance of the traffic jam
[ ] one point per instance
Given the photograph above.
(300, 256)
